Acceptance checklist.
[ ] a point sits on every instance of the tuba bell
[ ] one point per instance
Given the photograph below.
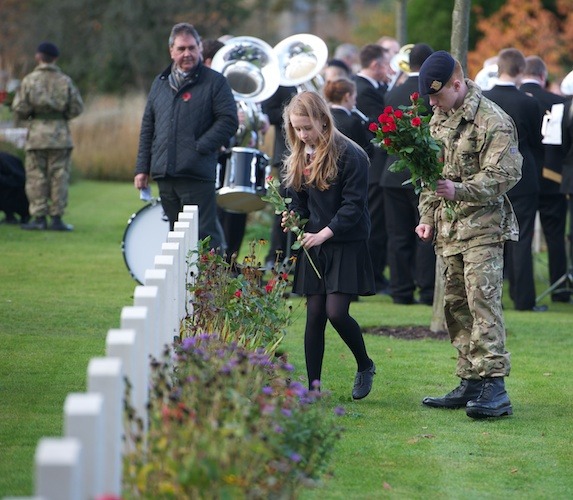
(301, 59)
(250, 66)
(400, 63)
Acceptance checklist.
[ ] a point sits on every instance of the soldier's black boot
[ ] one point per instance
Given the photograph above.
(59, 225)
(467, 390)
(492, 402)
(37, 223)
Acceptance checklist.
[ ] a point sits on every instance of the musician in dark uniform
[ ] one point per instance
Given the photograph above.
(273, 108)
(412, 261)
(526, 114)
(552, 203)
(341, 97)
(371, 87)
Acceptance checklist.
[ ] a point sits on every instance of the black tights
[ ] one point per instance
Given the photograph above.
(333, 307)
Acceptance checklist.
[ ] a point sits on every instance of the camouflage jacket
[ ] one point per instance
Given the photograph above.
(482, 158)
(45, 101)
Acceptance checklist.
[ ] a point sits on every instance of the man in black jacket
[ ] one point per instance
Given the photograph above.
(525, 112)
(190, 113)
(370, 89)
(412, 261)
(552, 203)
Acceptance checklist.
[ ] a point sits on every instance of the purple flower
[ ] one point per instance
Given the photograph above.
(268, 390)
(339, 411)
(295, 457)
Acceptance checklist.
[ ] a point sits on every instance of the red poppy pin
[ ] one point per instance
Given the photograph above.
(186, 96)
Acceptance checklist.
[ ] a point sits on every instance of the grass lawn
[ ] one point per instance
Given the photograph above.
(61, 293)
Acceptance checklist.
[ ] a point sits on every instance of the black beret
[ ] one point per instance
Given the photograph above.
(436, 72)
(49, 49)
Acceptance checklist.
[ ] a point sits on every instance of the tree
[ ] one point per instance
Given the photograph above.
(523, 24)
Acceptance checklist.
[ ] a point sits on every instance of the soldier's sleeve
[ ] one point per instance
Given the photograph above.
(75, 102)
(499, 164)
(21, 106)
(427, 206)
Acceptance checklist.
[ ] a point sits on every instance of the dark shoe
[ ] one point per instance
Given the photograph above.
(363, 382)
(405, 301)
(458, 398)
(37, 224)
(59, 225)
(493, 400)
(536, 309)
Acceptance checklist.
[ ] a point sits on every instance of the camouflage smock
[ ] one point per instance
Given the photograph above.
(482, 158)
(46, 100)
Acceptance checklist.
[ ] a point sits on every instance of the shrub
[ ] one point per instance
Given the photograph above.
(227, 422)
(233, 300)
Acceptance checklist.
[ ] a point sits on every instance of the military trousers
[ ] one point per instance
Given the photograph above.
(47, 181)
(473, 311)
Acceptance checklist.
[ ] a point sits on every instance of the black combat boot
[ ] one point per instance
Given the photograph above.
(492, 402)
(59, 225)
(467, 390)
(37, 223)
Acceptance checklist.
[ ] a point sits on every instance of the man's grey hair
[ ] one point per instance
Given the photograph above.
(183, 29)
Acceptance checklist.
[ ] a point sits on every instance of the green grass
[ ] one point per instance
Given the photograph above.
(60, 293)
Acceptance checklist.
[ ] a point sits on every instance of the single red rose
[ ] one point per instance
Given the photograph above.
(387, 141)
(416, 121)
(398, 113)
(388, 110)
(373, 127)
(238, 293)
(415, 96)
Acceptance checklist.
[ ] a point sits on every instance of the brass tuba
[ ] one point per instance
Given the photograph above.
(250, 66)
(301, 59)
(400, 63)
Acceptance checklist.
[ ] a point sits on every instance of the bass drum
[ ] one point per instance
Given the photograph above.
(144, 235)
(241, 180)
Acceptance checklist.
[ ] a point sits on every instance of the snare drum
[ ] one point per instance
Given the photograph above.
(144, 235)
(241, 180)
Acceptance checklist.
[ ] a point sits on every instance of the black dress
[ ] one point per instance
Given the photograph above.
(343, 261)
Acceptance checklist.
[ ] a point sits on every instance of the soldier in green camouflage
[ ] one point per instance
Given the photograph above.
(46, 100)
(481, 163)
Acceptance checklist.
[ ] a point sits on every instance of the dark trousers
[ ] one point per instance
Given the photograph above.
(378, 241)
(234, 225)
(518, 254)
(177, 192)
(412, 262)
(553, 217)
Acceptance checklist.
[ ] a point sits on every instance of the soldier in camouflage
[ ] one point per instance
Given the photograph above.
(46, 100)
(469, 217)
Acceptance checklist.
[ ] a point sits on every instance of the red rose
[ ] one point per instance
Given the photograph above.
(398, 113)
(373, 127)
(238, 294)
(383, 118)
(388, 110)
(387, 141)
(186, 96)
(416, 121)
(415, 96)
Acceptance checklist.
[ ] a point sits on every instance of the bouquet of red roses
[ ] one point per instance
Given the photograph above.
(404, 132)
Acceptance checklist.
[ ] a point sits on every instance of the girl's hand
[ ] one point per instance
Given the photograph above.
(310, 240)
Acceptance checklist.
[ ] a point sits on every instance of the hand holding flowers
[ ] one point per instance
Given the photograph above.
(290, 219)
(404, 132)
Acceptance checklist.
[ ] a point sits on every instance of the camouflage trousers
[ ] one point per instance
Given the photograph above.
(474, 316)
(47, 179)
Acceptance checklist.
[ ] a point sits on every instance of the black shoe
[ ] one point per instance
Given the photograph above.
(493, 400)
(59, 225)
(536, 309)
(37, 224)
(363, 382)
(458, 398)
(405, 301)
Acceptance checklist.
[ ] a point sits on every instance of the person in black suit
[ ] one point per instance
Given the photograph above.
(526, 113)
(552, 203)
(371, 87)
(13, 199)
(273, 108)
(567, 180)
(341, 97)
(412, 261)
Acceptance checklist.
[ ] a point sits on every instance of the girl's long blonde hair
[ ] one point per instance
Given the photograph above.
(331, 144)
